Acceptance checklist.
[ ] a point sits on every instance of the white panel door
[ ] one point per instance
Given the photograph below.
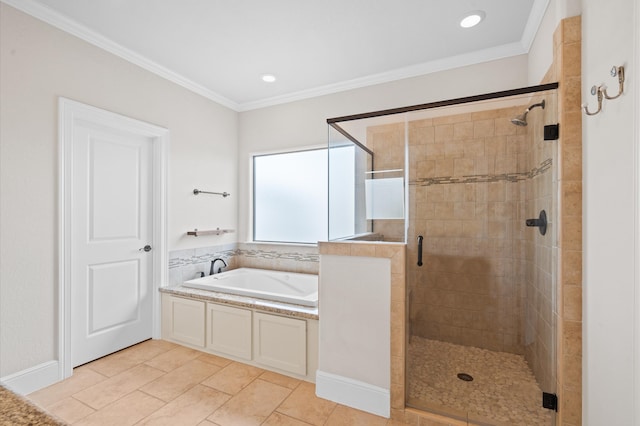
(111, 223)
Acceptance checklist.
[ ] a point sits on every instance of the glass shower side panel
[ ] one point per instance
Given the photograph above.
(348, 164)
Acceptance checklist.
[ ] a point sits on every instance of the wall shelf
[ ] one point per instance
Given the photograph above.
(216, 231)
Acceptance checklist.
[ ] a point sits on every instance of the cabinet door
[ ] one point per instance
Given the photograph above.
(229, 330)
(280, 342)
(183, 320)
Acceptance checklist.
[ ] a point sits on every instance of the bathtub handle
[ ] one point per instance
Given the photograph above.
(420, 250)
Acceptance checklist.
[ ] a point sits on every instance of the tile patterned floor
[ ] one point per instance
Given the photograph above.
(160, 383)
(503, 392)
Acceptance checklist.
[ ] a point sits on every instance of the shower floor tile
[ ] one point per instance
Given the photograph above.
(503, 391)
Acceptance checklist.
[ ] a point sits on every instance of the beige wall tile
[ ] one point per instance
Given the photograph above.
(572, 29)
(451, 119)
(443, 133)
(363, 249)
(572, 163)
(571, 268)
(332, 248)
(572, 338)
(571, 407)
(483, 128)
(571, 193)
(571, 58)
(572, 303)
(572, 93)
(463, 131)
(463, 167)
(571, 238)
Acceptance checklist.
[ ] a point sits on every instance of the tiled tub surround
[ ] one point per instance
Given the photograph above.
(188, 264)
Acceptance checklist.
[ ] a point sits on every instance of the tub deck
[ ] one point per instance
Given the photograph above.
(276, 286)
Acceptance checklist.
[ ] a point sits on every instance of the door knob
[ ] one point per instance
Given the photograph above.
(145, 248)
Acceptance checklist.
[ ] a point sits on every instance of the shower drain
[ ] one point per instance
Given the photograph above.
(466, 377)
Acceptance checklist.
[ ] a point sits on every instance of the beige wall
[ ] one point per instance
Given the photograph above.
(610, 35)
(38, 64)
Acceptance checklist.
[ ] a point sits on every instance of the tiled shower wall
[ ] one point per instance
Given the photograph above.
(469, 178)
(567, 317)
(188, 264)
(566, 70)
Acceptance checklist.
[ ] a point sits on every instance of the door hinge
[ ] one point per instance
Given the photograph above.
(550, 401)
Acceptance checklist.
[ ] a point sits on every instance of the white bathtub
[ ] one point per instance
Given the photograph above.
(288, 287)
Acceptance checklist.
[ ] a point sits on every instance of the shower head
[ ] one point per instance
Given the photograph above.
(521, 120)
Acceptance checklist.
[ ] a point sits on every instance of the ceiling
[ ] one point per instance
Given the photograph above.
(221, 48)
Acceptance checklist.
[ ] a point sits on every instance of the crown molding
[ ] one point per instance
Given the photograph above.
(477, 57)
(536, 16)
(48, 15)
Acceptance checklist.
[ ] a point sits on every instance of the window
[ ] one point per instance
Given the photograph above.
(290, 197)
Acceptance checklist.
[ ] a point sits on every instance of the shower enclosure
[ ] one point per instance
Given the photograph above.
(473, 176)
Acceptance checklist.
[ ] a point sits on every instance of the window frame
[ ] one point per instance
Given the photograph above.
(252, 184)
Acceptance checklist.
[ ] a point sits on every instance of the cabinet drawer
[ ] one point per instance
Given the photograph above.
(229, 330)
(280, 342)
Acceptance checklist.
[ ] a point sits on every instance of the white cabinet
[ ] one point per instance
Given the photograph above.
(283, 344)
(280, 342)
(229, 330)
(183, 320)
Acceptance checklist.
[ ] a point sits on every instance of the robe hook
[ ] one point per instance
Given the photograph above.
(598, 92)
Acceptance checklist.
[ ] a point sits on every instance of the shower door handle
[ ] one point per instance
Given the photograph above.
(420, 250)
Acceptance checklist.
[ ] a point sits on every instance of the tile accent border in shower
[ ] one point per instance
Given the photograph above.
(504, 177)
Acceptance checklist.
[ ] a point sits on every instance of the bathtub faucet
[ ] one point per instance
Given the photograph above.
(213, 262)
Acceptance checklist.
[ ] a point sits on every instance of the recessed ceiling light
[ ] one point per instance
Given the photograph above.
(472, 19)
(268, 78)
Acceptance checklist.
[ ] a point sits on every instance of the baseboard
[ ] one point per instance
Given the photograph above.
(353, 393)
(32, 379)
